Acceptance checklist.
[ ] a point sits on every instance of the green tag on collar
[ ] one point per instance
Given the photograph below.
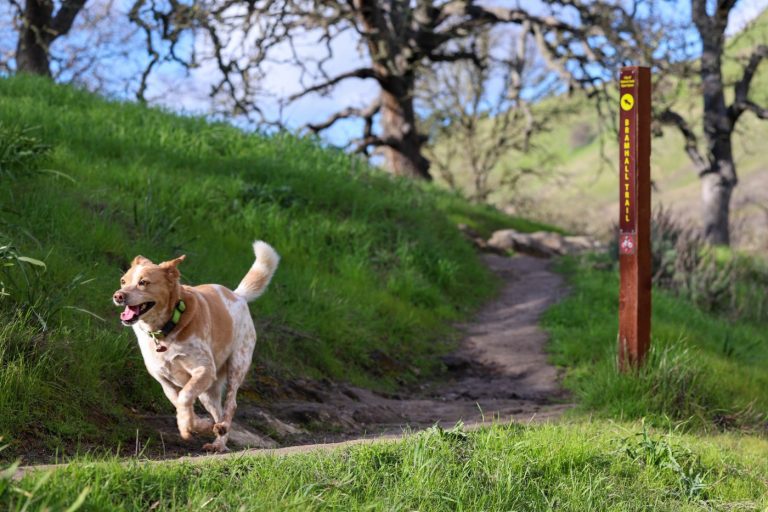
(178, 311)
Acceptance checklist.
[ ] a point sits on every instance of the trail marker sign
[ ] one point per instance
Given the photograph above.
(634, 216)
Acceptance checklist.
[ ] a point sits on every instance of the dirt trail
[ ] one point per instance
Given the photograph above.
(500, 372)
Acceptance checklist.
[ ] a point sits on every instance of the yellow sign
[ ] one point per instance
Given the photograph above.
(627, 102)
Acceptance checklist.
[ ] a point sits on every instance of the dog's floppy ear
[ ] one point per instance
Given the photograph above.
(140, 260)
(170, 266)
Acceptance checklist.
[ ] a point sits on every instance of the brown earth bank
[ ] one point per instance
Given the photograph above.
(500, 372)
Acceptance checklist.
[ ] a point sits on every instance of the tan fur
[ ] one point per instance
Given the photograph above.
(211, 312)
(209, 351)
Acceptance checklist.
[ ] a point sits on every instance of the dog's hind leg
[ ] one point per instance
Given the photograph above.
(237, 368)
(211, 400)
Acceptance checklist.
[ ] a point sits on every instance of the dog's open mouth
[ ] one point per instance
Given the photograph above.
(131, 314)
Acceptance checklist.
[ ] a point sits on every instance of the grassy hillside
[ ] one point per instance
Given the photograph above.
(372, 268)
(577, 182)
(685, 433)
(573, 467)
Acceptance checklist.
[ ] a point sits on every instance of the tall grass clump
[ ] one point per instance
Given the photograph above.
(671, 385)
(20, 150)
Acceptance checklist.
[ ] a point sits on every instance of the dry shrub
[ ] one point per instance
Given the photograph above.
(684, 263)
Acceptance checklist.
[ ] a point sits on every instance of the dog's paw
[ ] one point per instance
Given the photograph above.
(185, 434)
(220, 429)
(215, 447)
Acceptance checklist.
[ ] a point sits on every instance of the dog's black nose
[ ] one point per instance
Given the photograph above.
(118, 297)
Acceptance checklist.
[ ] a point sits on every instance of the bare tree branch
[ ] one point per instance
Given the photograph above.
(472, 130)
(760, 112)
(366, 114)
(361, 73)
(699, 12)
(741, 89)
(62, 22)
(671, 117)
(724, 9)
(456, 56)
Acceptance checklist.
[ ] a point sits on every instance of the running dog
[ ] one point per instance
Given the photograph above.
(197, 341)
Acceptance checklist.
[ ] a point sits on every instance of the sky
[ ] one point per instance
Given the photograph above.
(176, 89)
(283, 80)
(744, 12)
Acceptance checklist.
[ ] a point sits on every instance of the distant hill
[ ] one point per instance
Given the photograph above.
(577, 182)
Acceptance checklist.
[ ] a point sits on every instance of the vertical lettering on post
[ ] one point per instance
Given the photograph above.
(634, 215)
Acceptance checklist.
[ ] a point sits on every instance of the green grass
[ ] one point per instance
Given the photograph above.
(485, 219)
(703, 369)
(579, 467)
(668, 450)
(370, 264)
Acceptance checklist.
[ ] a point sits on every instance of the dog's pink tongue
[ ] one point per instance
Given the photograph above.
(129, 313)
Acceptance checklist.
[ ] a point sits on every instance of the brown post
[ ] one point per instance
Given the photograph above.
(634, 216)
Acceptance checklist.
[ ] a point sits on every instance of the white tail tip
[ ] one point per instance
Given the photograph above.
(255, 282)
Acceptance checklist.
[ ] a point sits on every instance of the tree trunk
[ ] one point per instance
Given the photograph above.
(718, 182)
(716, 202)
(34, 39)
(398, 125)
(387, 36)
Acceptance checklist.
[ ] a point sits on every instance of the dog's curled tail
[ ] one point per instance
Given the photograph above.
(258, 277)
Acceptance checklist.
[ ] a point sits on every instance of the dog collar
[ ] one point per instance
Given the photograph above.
(166, 329)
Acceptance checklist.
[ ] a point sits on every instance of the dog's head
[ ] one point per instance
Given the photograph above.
(148, 291)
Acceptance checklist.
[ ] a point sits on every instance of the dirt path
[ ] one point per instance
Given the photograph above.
(500, 372)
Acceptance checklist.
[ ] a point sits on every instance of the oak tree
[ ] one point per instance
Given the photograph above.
(39, 24)
(398, 40)
(715, 165)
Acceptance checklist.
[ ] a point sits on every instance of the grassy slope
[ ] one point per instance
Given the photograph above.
(705, 374)
(583, 177)
(706, 371)
(566, 467)
(370, 265)
(703, 369)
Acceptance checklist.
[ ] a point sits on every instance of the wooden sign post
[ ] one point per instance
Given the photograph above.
(634, 216)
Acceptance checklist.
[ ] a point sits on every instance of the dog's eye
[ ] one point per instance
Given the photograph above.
(122, 282)
(143, 282)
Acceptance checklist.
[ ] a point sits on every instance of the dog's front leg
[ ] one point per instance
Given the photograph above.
(171, 391)
(201, 379)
